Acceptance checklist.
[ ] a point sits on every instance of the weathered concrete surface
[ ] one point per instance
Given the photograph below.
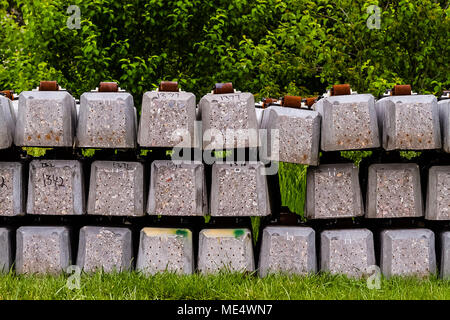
(45, 119)
(350, 252)
(409, 122)
(333, 191)
(177, 189)
(298, 132)
(7, 123)
(348, 122)
(225, 249)
(394, 191)
(232, 112)
(444, 115)
(105, 248)
(42, 250)
(5, 250)
(106, 120)
(239, 190)
(116, 189)
(165, 249)
(445, 255)
(167, 119)
(438, 193)
(12, 189)
(55, 187)
(290, 250)
(407, 252)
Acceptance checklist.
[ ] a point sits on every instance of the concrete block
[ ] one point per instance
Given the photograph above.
(438, 200)
(259, 116)
(350, 252)
(445, 255)
(7, 123)
(225, 250)
(55, 187)
(165, 249)
(232, 112)
(333, 191)
(42, 250)
(394, 191)
(12, 189)
(106, 120)
(444, 115)
(177, 189)
(45, 119)
(239, 189)
(409, 122)
(5, 250)
(105, 248)
(407, 252)
(116, 189)
(348, 122)
(298, 132)
(166, 118)
(289, 250)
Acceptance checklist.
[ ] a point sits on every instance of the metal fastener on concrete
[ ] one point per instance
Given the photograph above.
(42, 250)
(298, 132)
(56, 187)
(444, 114)
(407, 252)
(12, 189)
(438, 200)
(350, 252)
(105, 248)
(394, 191)
(239, 189)
(445, 255)
(177, 189)
(225, 250)
(7, 123)
(288, 250)
(5, 250)
(333, 191)
(165, 249)
(116, 189)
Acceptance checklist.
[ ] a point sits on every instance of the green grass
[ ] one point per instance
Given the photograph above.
(134, 285)
(292, 178)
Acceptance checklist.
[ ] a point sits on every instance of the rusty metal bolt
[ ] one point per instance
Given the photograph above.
(48, 86)
(401, 90)
(292, 101)
(310, 101)
(340, 90)
(169, 86)
(108, 87)
(266, 102)
(221, 88)
(8, 94)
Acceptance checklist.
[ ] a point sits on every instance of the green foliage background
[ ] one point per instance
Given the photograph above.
(267, 47)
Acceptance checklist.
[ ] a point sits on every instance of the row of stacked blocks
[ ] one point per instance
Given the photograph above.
(56, 187)
(287, 250)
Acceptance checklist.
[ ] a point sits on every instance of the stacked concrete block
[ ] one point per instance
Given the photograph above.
(12, 189)
(298, 132)
(409, 122)
(45, 119)
(55, 187)
(105, 248)
(349, 122)
(116, 189)
(231, 114)
(394, 191)
(444, 115)
(42, 250)
(165, 249)
(288, 250)
(7, 123)
(167, 119)
(438, 199)
(350, 252)
(177, 189)
(445, 255)
(407, 252)
(5, 250)
(333, 191)
(106, 120)
(225, 250)
(239, 189)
